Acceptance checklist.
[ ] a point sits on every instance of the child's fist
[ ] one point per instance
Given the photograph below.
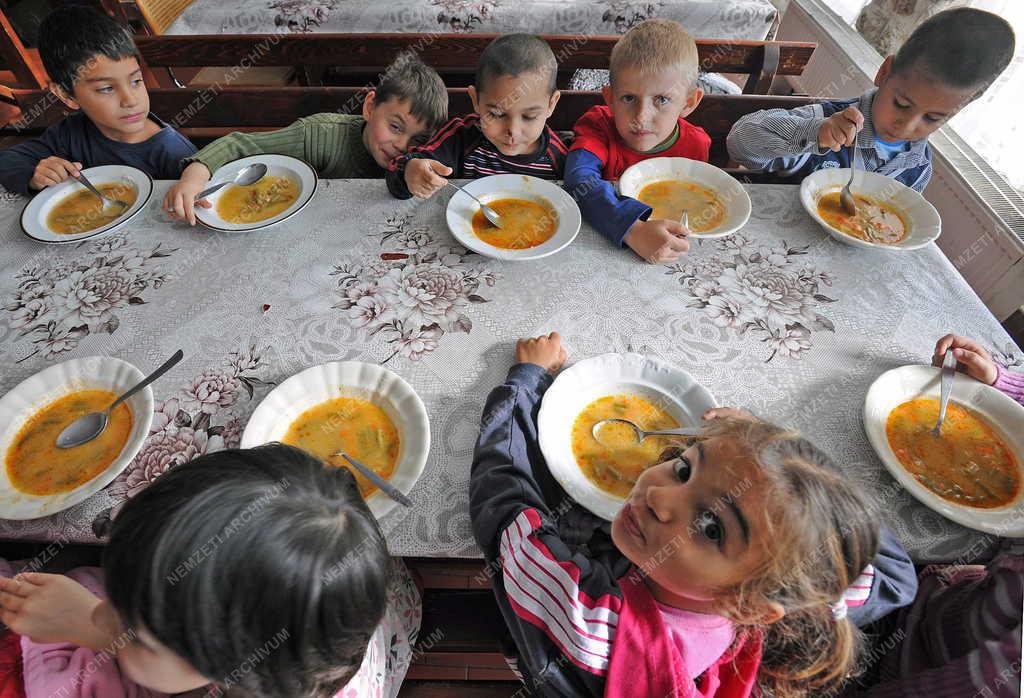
(424, 177)
(658, 241)
(180, 199)
(971, 357)
(53, 170)
(545, 351)
(840, 129)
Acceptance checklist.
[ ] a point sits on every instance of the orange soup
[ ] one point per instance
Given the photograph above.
(615, 463)
(36, 466)
(83, 211)
(257, 202)
(669, 198)
(874, 222)
(358, 427)
(968, 464)
(524, 224)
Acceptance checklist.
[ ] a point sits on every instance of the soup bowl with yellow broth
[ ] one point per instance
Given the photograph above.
(38, 478)
(647, 391)
(973, 472)
(69, 213)
(284, 191)
(538, 218)
(363, 409)
(715, 203)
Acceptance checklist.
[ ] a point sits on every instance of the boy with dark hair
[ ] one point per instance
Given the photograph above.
(947, 62)
(94, 69)
(513, 95)
(409, 103)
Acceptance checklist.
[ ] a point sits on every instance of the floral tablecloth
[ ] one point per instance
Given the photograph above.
(779, 318)
(717, 19)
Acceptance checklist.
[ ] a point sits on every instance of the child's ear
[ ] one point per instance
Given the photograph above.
(369, 102)
(692, 100)
(884, 71)
(555, 96)
(471, 91)
(606, 92)
(772, 612)
(69, 101)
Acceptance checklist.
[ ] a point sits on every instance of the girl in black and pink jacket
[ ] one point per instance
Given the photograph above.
(745, 561)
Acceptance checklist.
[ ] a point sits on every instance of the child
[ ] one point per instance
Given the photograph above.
(513, 95)
(260, 570)
(946, 63)
(962, 635)
(653, 74)
(410, 102)
(733, 563)
(94, 68)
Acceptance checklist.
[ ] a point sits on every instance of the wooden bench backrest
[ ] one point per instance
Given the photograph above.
(208, 113)
(370, 53)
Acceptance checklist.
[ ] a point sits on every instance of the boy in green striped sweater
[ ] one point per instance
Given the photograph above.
(408, 105)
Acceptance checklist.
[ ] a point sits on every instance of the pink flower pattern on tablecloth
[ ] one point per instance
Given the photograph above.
(61, 303)
(758, 289)
(414, 295)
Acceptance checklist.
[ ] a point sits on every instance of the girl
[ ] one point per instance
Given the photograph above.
(731, 565)
(260, 571)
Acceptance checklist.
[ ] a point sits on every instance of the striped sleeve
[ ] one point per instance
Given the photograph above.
(546, 593)
(776, 139)
(859, 592)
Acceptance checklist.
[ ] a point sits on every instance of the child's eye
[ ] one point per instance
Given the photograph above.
(105, 90)
(683, 469)
(627, 99)
(137, 82)
(395, 128)
(709, 525)
(494, 115)
(661, 100)
(529, 118)
(900, 105)
(932, 119)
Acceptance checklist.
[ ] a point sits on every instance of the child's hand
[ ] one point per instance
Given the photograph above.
(53, 170)
(729, 413)
(544, 351)
(424, 177)
(971, 357)
(658, 241)
(180, 200)
(840, 129)
(50, 608)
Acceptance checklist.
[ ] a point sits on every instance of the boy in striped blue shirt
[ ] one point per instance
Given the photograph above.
(947, 62)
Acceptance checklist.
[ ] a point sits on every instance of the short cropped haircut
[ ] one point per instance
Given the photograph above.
(408, 79)
(962, 48)
(656, 46)
(262, 559)
(514, 55)
(72, 36)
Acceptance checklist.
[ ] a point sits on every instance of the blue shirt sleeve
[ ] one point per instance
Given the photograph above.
(173, 148)
(18, 163)
(894, 585)
(609, 213)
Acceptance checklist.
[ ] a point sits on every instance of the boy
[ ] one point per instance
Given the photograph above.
(513, 95)
(94, 69)
(653, 76)
(410, 102)
(946, 63)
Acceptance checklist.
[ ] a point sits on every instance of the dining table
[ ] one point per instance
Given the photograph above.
(779, 319)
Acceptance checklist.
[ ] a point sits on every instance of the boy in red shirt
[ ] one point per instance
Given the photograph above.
(653, 74)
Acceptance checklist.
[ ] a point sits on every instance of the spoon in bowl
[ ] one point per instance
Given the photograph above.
(489, 213)
(89, 426)
(640, 434)
(948, 373)
(384, 486)
(107, 202)
(846, 199)
(250, 174)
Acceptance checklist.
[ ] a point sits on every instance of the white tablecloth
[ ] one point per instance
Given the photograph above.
(780, 319)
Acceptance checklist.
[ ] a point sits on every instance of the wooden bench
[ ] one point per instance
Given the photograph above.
(208, 113)
(357, 59)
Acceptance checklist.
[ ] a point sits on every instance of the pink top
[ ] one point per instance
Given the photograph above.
(1010, 383)
(701, 638)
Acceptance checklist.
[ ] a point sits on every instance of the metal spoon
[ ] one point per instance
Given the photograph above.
(846, 199)
(89, 426)
(250, 174)
(948, 373)
(385, 486)
(685, 219)
(489, 213)
(107, 203)
(641, 434)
